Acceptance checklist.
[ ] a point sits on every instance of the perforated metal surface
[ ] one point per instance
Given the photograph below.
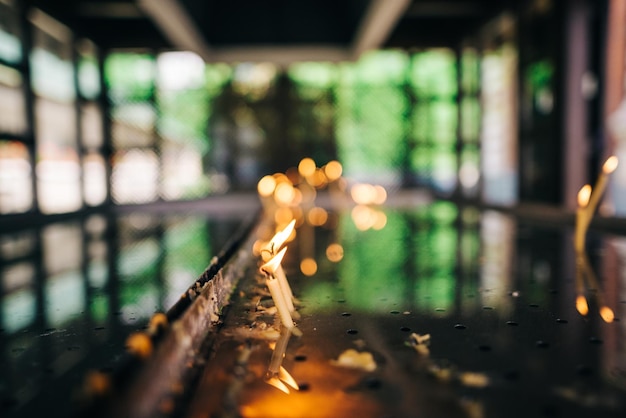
(496, 297)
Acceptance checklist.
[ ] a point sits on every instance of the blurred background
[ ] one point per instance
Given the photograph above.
(133, 135)
(132, 102)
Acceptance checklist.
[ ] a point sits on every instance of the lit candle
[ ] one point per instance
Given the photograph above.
(269, 269)
(582, 220)
(274, 245)
(607, 168)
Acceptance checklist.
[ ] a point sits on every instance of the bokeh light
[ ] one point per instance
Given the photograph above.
(317, 216)
(333, 170)
(334, 252)
(308, 266)
(266, 186)
(306, 167)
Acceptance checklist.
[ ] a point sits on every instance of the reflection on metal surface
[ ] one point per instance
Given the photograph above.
(277, 375)
(71, 292)
(483, 289)
(586, 280)
(463, 312)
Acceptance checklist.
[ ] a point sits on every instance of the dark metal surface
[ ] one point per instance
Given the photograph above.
(73, 291)
(496, 295)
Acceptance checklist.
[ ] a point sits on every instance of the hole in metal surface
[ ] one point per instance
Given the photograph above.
(511, 375)
(405, 329)
(484, 347)
(533, 305)
(373, 383)
(440, 310)
(595, 340)
(300, 357)
(304, 386)
(394, 312)
(542, 344)
(561, 321)
(512, 323)
(550, 411)
(352, 331)
(9, 402)
(459, 326)
(346, 314)
(488, 308)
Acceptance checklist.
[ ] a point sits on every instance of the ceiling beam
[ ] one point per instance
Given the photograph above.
(118, 10)
(176, 25)
(429, 9)
(379, 20)
(279, 55)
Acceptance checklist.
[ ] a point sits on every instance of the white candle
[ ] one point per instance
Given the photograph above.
(278, 297)
(286, 291)
(274, 245)
(279, 301)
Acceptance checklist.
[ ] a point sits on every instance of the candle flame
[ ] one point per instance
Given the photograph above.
(607, 314)
(610, 164)
(274, 381)
(281, 237)
(272, 265)
(581, 305)
(284, 375)
(583, 195)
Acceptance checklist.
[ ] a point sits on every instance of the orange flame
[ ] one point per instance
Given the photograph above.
(610, 164)
(583, 195)
(581, 305)
(607, 314)
(272, 265)
(281, 237)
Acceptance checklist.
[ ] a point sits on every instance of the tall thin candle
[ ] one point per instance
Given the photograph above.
(607, 168)
(269, 269)
(582, 220)
(274, 245)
